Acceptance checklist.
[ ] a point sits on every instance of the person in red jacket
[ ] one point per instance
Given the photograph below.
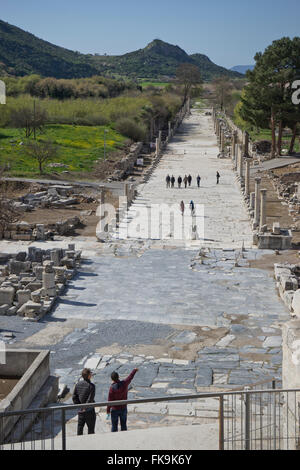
(118, 391)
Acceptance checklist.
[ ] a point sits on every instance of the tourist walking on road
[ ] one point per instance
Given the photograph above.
(168, 181)
(218, 177)
(192, 207)
(84, 392)
(179, 181)
(182, 208)
(172, 181)
(117, 392)
(198, 181)
(190, 180)
(185, 180)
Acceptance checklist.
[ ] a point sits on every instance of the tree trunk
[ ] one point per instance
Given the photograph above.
(279, 140)
(40, 168)
(273, 125)
(293, 139)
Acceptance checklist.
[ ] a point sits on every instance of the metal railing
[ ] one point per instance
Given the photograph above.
(257, 419)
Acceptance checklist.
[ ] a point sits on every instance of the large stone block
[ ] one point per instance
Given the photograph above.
(17, 267)
(289, 282)
(30, 308)
(204, 377)
(7, 295)
(296, 303)
(23, 296)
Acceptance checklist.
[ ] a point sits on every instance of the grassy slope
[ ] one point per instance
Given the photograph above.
(79, 147)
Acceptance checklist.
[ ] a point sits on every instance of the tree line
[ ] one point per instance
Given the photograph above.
(266, 100)
(62, 89)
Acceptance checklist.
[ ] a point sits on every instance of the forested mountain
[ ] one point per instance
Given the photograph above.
(22, 53)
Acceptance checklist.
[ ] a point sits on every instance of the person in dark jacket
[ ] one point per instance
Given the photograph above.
(190, 180)
(168, 181)
(84, 392)
(185, 180)
(218, 177)
(179, 181)
(192, 207)
(198, 181)
(117, 392)
(172, 181)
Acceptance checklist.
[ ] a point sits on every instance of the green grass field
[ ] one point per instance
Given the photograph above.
(146, 84)
(78, 147)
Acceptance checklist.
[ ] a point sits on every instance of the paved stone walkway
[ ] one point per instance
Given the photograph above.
(221, 218)
(193, 315)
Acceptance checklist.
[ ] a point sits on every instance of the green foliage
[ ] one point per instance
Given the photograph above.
(237, 118)
(130, 128)
(94, 87)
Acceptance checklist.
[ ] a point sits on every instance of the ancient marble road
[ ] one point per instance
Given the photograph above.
(193, 151)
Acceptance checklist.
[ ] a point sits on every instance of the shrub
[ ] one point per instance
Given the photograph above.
(131, 129)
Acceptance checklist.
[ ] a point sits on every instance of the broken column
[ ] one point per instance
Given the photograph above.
(157, 147)
(252, 201)
(263, 207)
(49, 289)
(170, 129)
(247, 178)
(40, 231)
(240, 162)
(160, 139)
(246, 144)
(222, 140)
(257, 202)
(234, 141)
(55, 257)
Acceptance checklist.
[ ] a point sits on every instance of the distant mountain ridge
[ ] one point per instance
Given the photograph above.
(242, 68)
(22, 53)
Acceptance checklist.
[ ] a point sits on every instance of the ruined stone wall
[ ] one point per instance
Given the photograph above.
(291, 378)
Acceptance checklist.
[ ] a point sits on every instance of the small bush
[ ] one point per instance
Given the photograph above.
(131, 129)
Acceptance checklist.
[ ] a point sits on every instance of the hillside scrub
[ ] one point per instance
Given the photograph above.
(142, 109)
(61, 89)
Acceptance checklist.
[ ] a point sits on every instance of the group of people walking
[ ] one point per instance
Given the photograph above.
(187, 181)
(84, 393)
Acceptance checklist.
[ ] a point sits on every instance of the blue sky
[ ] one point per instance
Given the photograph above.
(230, 32)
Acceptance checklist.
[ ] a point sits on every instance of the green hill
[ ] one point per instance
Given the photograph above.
(22, 53)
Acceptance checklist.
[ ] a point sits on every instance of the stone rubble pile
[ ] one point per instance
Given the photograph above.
(32, 232)
(54, 197)
(287, 278)
(287, 188)
(31, 282)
